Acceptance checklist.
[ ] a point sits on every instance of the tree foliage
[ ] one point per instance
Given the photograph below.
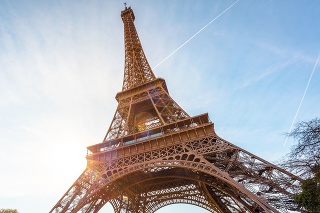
(304, 158)
(9, 211)
(309, 198)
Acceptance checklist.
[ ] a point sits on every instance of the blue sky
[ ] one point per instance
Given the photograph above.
(61, 64)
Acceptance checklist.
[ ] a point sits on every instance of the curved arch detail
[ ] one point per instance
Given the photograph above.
(196, 166)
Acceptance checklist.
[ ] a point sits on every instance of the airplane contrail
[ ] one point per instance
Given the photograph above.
(196, 34)
(305, 91)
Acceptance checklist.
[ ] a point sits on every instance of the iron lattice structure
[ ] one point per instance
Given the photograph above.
(154, 154)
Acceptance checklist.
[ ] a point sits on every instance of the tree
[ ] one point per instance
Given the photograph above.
(9, 211)
(309, 198)
(304, 158)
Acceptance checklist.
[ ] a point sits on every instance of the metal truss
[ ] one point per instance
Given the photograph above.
(154, 154)
(143, 108)
(201, 169)
(136, 69)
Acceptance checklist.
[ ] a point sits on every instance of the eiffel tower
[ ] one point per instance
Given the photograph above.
(154, 154)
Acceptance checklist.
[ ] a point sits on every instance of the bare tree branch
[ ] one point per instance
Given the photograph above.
(304, 157)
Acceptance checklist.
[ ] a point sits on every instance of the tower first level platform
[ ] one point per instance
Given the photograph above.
(166, 135)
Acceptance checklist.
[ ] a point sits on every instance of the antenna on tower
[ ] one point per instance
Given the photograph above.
(125, 5)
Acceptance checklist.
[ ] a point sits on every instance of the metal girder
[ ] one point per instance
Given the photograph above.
(137, 69)
(242, 186)
(147, 107)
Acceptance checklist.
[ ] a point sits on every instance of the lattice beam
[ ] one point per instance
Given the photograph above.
(153, 162)
(137, 69)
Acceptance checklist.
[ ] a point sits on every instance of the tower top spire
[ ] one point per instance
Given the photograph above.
(137, 70)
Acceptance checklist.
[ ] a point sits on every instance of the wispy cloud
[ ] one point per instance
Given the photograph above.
(260, 75)
(57, 87)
